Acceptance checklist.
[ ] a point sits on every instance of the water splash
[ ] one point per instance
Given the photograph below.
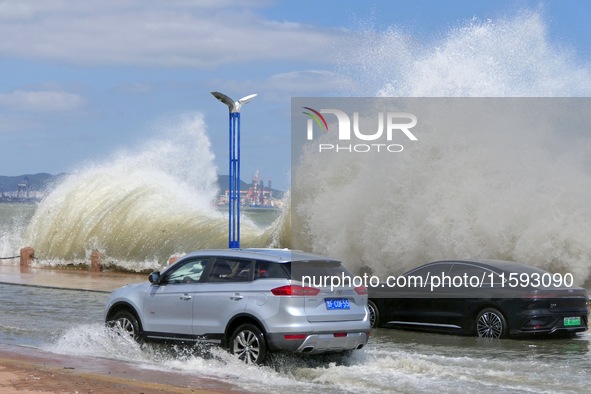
(500, 58)
(139, 207)
(519, 197)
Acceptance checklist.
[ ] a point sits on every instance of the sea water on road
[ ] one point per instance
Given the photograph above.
(70, 322)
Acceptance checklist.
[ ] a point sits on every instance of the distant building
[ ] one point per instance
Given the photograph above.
(23, 194)
(23, 188)
(257, 196)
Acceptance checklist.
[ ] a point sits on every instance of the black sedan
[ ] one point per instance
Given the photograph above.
(487, 298)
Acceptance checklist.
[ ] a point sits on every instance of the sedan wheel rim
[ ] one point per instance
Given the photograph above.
(372, 315)
(246, 346)
(489, 325)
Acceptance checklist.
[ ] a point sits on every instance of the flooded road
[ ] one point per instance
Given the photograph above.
(70, 322)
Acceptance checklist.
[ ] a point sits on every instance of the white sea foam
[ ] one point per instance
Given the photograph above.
(395, 365)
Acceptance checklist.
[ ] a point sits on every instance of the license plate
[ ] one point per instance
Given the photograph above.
(337, 303)
(572, 321)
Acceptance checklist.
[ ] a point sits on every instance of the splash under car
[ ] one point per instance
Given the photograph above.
(487, 298)
(251, 301)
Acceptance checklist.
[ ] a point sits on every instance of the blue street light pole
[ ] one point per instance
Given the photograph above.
(234, 157)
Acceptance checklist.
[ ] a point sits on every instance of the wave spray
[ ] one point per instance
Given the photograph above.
(139, 207)
(457, 194)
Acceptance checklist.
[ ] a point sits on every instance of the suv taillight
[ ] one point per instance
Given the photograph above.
(295, 290)
(361, 290)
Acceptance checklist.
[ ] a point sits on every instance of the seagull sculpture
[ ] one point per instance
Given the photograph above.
(233, 106)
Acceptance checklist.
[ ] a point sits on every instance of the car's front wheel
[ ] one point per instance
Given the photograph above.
(249, 344)
(125, 322)
(491, 323)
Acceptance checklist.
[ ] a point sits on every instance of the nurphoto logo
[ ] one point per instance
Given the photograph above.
(389, 125)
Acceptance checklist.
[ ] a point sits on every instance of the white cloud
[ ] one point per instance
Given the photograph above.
(45, 101)
(150, 33)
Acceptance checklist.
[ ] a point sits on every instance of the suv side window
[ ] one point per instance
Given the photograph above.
(186, 272)
(230, 270)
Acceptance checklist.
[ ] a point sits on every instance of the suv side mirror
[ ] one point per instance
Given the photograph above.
(154, 277)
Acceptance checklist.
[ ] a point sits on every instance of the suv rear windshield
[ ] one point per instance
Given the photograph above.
(316, 269)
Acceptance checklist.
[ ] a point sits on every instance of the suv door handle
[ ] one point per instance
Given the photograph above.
(236, 297)
(185, 297)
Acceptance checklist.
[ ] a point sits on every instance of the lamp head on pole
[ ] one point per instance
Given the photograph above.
(233, 106)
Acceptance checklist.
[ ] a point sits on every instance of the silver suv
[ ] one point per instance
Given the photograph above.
(252, 301)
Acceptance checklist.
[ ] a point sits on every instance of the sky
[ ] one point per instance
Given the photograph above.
(81, 81)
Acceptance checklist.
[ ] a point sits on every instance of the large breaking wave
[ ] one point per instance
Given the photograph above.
(139, 207)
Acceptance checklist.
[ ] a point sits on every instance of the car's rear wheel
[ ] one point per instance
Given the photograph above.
(125, 322)
(491, 323)
(374, 314)
(249, 344)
